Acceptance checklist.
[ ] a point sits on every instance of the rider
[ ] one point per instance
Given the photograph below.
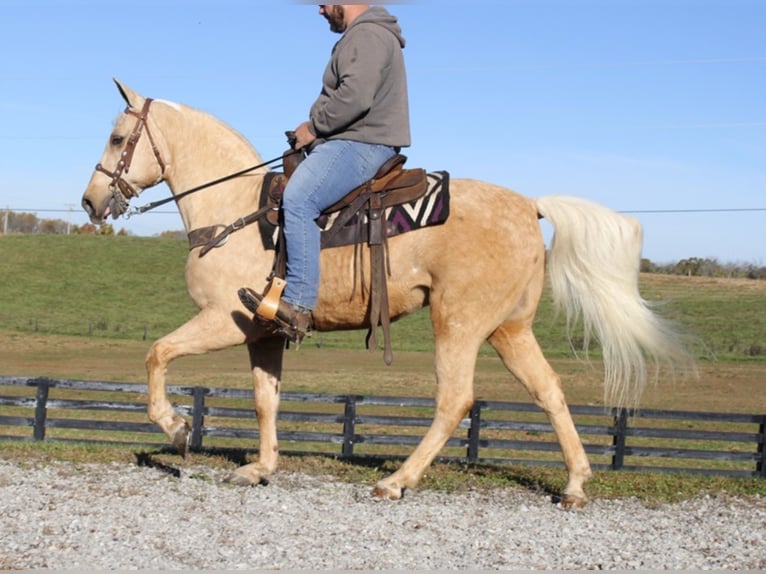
(358, 122)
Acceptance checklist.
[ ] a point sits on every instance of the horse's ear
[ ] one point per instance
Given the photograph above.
(131, 98)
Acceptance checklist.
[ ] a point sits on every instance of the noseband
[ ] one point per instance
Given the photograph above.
(121, 190)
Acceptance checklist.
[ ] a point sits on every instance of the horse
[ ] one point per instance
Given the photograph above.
(481, 273)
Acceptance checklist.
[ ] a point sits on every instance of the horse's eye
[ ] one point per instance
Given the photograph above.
(117, 140)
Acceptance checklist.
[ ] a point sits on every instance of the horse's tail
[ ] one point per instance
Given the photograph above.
(593, 265)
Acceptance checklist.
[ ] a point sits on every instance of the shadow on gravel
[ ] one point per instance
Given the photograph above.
(443, 475)
(147, 460)
(154, 459)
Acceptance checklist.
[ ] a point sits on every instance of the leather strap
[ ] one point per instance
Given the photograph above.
(379, 313)
(216, 239)
(202, 235)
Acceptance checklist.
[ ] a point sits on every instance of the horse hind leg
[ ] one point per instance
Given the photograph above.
(455, 363)
(521, 354)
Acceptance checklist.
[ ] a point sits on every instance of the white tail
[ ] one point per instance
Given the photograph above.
(593, 265)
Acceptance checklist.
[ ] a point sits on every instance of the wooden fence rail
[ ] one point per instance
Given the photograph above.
(385, 427)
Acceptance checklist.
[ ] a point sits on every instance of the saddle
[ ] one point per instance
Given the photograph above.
(358, 217)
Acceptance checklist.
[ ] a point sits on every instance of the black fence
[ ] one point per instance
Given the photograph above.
(347, 426)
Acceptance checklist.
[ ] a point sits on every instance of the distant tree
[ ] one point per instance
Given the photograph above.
(91, 229)
(732, 270)
(23, 223)
(689, 267)
(710, 268)
(54, 226)
(85, 229)
(647, 266)
(755, 272)
(173, 235)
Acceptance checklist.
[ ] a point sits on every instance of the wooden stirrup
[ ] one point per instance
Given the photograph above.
(267, 309)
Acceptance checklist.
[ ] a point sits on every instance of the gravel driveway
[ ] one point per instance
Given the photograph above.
(120, 516)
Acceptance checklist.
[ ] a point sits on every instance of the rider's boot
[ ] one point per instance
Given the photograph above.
(293, 321)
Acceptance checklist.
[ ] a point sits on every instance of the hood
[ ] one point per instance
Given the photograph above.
(380, 16)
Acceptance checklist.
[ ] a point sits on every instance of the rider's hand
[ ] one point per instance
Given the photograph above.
(304, 135)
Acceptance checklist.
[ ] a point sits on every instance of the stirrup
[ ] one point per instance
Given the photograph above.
(269, 305)
(291, 321)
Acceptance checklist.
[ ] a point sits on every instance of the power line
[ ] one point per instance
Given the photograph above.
(722, 210)
(36, 210)
(712, 210)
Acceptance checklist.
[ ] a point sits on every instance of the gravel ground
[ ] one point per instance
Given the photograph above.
(118, 516)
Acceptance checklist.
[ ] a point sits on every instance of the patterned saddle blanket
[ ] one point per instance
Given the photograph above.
(346, 228)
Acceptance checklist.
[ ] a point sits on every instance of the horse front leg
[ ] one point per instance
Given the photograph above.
(207, 331)
(266, 362)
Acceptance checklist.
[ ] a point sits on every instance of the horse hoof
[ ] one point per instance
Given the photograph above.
(387, 492)
(572, 502)
(182, 438)
(240, 479)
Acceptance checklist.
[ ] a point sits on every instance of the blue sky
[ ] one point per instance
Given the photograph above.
(653, 107)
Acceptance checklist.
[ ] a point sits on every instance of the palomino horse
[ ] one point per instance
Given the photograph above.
(481, 273)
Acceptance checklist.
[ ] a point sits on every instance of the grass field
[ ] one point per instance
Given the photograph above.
(112, 287)
(88, 307)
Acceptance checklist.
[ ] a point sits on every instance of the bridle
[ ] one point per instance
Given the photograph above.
(121, 190)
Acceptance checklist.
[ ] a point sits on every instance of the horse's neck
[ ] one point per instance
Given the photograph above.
(202, 150)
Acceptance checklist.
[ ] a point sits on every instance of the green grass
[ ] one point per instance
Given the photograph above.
(133, 288)
(91, 285)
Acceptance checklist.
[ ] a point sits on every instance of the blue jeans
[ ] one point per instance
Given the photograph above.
(325, 176)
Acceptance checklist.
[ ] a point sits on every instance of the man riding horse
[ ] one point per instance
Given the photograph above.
(359, 121)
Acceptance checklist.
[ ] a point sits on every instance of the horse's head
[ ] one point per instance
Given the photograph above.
(131, 161)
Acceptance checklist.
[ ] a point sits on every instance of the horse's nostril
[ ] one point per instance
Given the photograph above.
(91, 211)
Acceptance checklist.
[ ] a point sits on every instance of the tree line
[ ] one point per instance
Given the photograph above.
(29, 223)
(706, 267)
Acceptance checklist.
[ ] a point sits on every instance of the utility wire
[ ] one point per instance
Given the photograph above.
(723, 210)
(713, 210)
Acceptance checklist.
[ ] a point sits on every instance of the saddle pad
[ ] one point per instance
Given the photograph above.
(430, 209)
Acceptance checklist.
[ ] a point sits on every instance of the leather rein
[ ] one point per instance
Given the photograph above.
(122, 191)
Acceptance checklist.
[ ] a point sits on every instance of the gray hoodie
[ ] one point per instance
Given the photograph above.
(364, 92)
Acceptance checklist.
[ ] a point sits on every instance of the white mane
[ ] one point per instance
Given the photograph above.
(173, 105)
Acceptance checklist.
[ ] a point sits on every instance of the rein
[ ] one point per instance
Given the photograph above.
(155, 204)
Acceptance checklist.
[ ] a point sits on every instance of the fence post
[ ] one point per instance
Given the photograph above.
(760, 467)
(349, 427)
(618, 439)
(473, 433)
(198, 417)
(41, 406)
